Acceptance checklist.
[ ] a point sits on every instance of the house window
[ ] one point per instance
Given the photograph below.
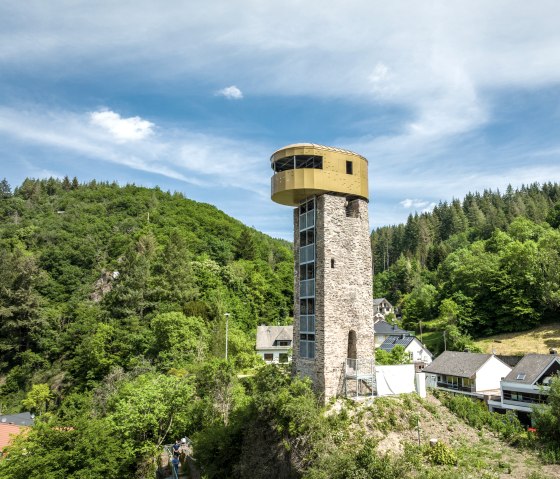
(268, 357)
(283, 357)
(348, 167)
(283, 343)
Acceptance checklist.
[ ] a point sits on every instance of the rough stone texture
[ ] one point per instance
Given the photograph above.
(343, 294)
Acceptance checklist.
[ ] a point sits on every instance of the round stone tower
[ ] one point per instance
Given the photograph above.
(333, 310)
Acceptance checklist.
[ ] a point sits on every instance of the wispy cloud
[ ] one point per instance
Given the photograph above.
(416, 204)
(194, 158)
(231, 93)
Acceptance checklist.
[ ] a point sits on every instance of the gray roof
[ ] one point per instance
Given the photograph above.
(393, 341)
(385, 328)
(266, 335)
(377, 301)
(456, 363)
(20, 419)
(531, 368)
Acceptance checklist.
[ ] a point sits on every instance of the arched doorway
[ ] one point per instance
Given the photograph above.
(352, 345)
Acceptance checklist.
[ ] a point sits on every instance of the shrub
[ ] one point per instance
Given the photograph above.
(441, 454)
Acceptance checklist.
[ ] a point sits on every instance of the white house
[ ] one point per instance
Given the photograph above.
(527, 383)
(381, 308)
(274, 343)
(415, 349)
(472, 374)
(382, 330)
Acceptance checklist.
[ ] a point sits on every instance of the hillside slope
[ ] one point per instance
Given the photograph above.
(539, 340)
(86, 269)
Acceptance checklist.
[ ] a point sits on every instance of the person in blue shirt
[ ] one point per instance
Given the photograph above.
(176, 463)
(176, 447)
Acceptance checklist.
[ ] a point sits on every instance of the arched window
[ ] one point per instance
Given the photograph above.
(352, 345)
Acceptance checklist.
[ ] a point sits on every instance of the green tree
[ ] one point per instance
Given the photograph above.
(547, 417)
(37, 400)
(397, 355)
(178, 339)
(245, 247)
(5, 190)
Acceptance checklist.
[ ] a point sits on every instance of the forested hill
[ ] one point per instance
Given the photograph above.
(88, 271)
(484, 265)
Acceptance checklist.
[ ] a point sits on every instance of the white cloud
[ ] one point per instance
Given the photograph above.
(193, 158)
(122, 129)
(231, 93)
(409, 203)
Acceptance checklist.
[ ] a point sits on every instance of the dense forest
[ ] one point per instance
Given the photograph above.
(112, 331)
(112, 310)
(486, 265)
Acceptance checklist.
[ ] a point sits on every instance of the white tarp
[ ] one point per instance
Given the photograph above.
(396, 379)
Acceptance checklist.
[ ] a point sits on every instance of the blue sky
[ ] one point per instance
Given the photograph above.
(441, 97)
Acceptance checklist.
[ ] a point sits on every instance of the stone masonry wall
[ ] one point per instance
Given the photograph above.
(343, 292)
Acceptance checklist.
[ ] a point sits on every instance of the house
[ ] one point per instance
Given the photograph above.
(274, 343)
(472, 374)
(527, 383)
(419, 355)
(381, 308)
(12, 425)
(382, 330)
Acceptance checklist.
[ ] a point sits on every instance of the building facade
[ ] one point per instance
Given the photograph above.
(471, 374)
(274, 343)
(333, 314)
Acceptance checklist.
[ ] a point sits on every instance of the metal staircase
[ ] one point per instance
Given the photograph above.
(359, 378)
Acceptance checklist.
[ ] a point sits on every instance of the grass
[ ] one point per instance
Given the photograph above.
(538, 340)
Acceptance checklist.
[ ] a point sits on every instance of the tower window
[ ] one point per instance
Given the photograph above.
(332, 262)
(348, 167)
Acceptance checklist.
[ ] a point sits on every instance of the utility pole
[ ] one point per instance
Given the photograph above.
(420, 322)
(227, 328)
(444, 341)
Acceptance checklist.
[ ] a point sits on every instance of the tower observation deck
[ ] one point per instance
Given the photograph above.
(333, 310)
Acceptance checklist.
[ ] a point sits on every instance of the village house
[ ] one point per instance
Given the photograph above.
(527, 384)
(418, 353)
(472, 374)
(381, 308)
(384, 330)
(12, 425)
(274, 343)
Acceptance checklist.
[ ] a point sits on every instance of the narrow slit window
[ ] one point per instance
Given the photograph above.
(348, 167)
(332, 262)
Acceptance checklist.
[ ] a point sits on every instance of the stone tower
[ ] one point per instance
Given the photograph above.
(333, 311)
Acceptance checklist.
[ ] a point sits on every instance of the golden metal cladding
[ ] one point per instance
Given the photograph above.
(291, 187)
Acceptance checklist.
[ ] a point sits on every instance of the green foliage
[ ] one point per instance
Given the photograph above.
(476, 414)
(547, 416)
(396, 356)
(492, 255)
(38, 398)
(361, 463)
(52, 451)
(440, 454)
(178, 339)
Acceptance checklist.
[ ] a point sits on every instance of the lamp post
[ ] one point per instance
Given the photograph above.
(227, 328)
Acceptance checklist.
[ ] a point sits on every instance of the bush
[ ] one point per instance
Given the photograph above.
(474, 413)
(441, 454)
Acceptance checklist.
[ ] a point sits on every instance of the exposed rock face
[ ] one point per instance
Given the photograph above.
(343, 292)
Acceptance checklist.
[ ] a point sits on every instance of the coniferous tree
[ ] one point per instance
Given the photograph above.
(5, 190)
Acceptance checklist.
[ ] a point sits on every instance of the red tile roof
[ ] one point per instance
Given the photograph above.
(7, 431)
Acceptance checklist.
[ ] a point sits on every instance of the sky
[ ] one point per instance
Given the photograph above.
(442, 97)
